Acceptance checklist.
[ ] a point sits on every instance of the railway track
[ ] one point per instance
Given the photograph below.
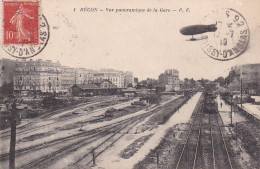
(222, 156)
(102, 147)
(49, 159)
(71, 137)
(205, 145)
(111, 133)
(58, 141)
(191, 145)
(26, 131)
(76, 141)
(73, 108)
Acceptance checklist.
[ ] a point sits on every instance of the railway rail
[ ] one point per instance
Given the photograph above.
(183, 160)
(109, 133)
(72, 137)
(205, 145)
(49, 159)
(24, 130)
(128, 124)
(94, 132)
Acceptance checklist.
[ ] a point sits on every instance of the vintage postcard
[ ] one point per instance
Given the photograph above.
(117, 84)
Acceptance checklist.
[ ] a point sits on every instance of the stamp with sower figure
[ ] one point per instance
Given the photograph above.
(26, 31)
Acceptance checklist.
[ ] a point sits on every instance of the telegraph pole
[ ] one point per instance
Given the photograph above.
(241, 91)
(231, 113)
(13, 136)
(75, 76)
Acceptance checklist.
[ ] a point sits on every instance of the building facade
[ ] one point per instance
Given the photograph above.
(44, 76)
(249, 74)
(170, 80)
(172, 72)
(84, 76)
(119, 78)
(68, 78)
(116, 77)
(6, 71)
(37, 76)
(129, 79)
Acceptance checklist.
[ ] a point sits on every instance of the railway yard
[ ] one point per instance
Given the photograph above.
(176, 133)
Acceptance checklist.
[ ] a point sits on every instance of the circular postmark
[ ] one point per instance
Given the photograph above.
(24, 51)
(231, 37)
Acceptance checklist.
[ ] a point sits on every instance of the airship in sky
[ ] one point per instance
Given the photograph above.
(198, 29)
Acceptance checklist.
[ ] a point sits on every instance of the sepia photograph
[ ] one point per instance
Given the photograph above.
(117, 84)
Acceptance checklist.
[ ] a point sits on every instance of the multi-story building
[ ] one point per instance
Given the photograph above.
(68, 78)
(37, 76)
(90, 77)
(84, 76)
(170, 80)
(6, 71)
(172, 72)
(249, 74)
(116, 78)
(129, 79)
(119, 78)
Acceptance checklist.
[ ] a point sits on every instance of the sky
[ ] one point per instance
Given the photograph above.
(145, 43)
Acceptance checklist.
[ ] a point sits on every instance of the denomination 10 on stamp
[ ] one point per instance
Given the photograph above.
(231, 37)
(26, 31)
(21, 23)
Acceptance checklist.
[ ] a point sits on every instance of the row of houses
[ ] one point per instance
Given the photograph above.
(44, 76)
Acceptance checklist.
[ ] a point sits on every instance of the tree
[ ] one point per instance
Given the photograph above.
(221, 81)
(203, 82)
(230, 77)
(49, 101)
(130, 85)
(7, 88)
(192, 82)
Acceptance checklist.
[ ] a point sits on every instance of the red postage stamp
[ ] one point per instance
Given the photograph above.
(21, 22)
